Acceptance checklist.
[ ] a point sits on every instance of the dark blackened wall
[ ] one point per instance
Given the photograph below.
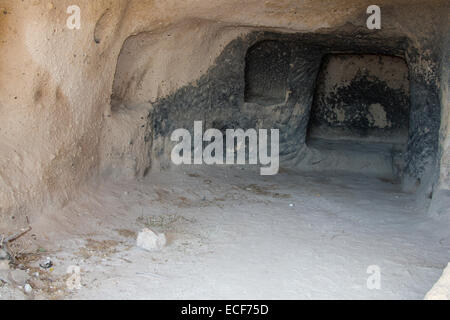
(218, 97)
(362, 97)
(274, 101)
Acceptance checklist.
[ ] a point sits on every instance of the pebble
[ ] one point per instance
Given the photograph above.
(27, 288)
(150, 241)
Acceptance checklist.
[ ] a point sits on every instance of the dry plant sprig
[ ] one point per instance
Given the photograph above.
(4, 243)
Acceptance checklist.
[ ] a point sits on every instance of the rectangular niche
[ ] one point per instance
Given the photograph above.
(266, 72)
(360, 114)
(361, 97)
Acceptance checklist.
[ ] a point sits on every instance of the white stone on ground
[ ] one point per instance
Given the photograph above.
(27, 288)
(149, 240)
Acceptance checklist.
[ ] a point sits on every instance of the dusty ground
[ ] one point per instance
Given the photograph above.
(235, 234)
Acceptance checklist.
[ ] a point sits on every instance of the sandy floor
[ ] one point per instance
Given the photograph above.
(236, 235)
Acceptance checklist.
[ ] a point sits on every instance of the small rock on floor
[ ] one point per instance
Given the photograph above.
(27, 288)
(149, 240)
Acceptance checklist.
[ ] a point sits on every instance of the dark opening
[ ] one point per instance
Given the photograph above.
(266, 72)
(360, 114)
